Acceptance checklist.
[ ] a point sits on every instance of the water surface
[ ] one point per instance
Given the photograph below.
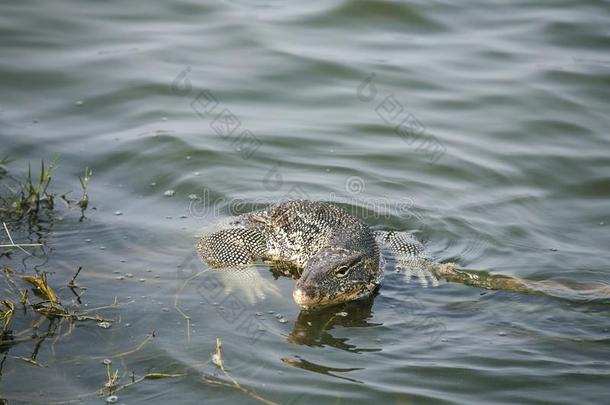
(483, 128)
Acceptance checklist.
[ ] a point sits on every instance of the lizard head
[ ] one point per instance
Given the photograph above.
(336, 275)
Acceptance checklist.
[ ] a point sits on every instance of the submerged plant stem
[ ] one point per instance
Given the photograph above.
(19, 246)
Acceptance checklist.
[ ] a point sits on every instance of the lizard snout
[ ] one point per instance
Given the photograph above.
(305, 295)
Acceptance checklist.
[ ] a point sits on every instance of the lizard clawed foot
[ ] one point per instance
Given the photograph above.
(424, 275)
(248, 282)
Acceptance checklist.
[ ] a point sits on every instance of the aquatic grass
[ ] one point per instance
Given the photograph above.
(112, 380)
(73, 286)
(49, 306)
(6, 315)
(177, 295)
(42, 287)
(31, 197)
(83, 201)
(34, 195)
(113, 386)
(148, 339)
(217, 357)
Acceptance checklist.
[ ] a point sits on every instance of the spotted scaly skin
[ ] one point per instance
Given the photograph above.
(338, 253)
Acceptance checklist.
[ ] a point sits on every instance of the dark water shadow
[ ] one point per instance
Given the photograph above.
(320, 369)
(313, 328)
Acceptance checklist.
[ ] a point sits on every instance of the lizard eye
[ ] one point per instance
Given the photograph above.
(342, 271)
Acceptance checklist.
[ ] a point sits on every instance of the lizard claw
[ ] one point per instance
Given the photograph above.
(425, 274)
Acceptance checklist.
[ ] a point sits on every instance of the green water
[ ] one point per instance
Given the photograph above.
(482, 127)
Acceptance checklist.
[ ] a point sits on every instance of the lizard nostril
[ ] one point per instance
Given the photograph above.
(310, 291)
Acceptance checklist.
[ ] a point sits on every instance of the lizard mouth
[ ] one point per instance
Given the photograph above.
(308, 298)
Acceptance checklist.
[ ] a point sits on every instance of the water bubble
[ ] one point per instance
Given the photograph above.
(193, 196)
(79, 102)
(169, 193)
(153, 184)
(107, 362)
(103, 324)
(129, 275)
(118, 213)
(112, 399)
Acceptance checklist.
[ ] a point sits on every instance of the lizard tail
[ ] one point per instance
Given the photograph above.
(490, 281)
